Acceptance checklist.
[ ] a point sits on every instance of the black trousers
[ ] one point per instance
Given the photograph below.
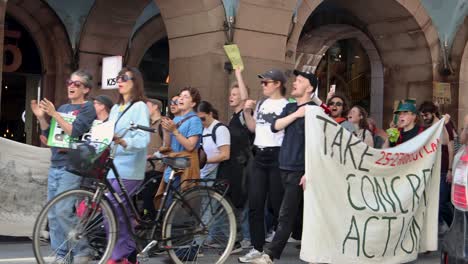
(445, 205)
(264, 181)
(290, 207)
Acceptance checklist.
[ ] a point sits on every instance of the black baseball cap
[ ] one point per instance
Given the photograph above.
(105, 100)
(308, 75)
(275, 75)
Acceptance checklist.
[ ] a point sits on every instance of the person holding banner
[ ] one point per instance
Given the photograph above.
(130, 157)
(265, 179)
(407, 127)
(59, 179)
(291, 162)
(429, 113)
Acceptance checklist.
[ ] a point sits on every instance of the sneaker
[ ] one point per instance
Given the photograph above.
(264, 259)
(270, 237)
(249, 257)
(237, 248)
(246, 244)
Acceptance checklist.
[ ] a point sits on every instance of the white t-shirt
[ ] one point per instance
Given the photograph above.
(264, 115)
(223, 137)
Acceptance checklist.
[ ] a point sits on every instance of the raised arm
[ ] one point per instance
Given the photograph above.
(244, 94)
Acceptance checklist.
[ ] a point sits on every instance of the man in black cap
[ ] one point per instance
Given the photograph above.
(291, 161)
(265, 180)
(102, 105)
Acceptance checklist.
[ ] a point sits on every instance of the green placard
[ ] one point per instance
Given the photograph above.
(58, 138)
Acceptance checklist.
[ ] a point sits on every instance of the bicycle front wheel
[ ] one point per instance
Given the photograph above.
(73, 227)
(200, 227)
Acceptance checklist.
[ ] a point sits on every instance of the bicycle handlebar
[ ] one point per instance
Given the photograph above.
(145, 128)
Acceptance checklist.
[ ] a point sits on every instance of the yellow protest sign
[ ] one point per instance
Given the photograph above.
(233, 53)
(442, 93)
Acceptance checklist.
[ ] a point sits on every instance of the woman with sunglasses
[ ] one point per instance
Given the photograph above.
(265, 180)
(174, 107)
(59, 179)
(130, 158)
(338, 110)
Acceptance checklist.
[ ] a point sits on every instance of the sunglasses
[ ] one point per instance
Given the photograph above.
(124, 78)
(74, 83)
(335, 104)
(174, 102)
(203, 119)
(265, 83)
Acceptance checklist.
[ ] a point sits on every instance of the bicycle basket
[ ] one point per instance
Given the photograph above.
(87, 161)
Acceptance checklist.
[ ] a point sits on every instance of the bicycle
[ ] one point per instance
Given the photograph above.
(196, 224)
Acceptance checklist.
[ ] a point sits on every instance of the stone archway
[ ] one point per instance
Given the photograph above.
(144, 38)
(106, 32)
(414, 7)
(318, 41)
(52, 42)
(403, 35)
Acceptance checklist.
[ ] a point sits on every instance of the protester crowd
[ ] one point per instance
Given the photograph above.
(261, 151)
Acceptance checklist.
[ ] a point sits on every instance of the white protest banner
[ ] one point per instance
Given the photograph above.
(365, 205)
(23, 186)
(111, 67)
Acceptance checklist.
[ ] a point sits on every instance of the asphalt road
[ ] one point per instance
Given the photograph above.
(19, 251)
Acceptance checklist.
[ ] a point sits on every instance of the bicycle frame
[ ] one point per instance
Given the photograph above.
(155, 224)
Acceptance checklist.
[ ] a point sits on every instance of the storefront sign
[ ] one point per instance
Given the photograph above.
(442, 93)
(111, 67)
(365, 205)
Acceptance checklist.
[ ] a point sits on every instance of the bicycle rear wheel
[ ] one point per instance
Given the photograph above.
(200, 228)
(78, 229)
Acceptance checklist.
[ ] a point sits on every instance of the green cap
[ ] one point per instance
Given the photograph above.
(406, 107)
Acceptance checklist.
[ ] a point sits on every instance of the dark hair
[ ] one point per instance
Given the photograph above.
(363, 123)
(206, 107)
(345, 103)
(138, 90)
(428, 107)
(283, 89)
(194, 93)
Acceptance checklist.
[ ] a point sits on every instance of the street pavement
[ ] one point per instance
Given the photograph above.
(20, 252)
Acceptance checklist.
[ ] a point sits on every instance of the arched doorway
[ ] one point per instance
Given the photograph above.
(402, 36)
(343, 55)
(155, 69)
(20, 78)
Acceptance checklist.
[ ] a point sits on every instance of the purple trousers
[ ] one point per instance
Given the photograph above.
(125, 244)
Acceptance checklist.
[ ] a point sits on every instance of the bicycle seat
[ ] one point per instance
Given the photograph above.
(177, 162)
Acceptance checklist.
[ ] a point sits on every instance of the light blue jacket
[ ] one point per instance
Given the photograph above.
(131, 161)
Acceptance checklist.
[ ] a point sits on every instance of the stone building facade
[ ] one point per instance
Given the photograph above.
(401, 38)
